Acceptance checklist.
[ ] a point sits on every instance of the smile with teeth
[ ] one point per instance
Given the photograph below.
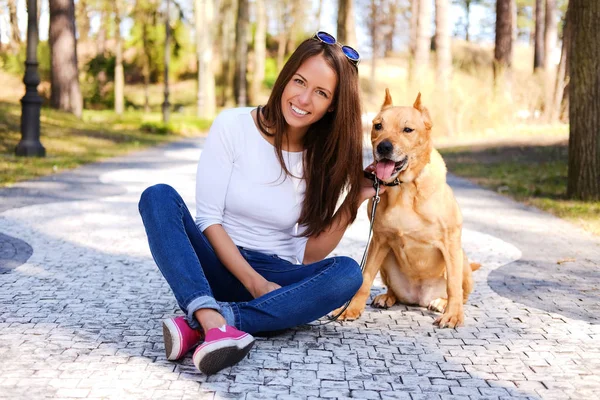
(298, 111)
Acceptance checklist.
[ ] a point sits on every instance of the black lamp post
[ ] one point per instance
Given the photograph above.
(30, 145)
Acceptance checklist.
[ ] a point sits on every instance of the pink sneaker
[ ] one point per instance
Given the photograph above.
(179, 337)
(222, 348)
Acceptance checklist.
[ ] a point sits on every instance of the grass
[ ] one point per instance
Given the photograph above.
(71, 142)
(535, 174)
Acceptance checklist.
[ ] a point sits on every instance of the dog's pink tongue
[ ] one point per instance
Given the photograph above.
(384, 169)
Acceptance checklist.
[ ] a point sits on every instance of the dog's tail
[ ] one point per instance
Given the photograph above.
(475, 266)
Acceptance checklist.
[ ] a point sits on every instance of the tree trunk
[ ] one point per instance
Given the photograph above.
(412, 38)
(346, 32)
(15, 36)
(146, 66)
(166, 106)
(119, 72)
(550, 34)
(374, 27)
(584, 107)
(503, 45)
(515, 28)
(538, 55)
(423, 36)
(101, 36)
(206, 102)
(391, 23)
(241, 53)
(65, 93)
(444, 61)
(297, 25)
(318, 14)
(555, 109)
(260, 50)
(83, 20)
(281, 8)
(442, 43)
(468, 18)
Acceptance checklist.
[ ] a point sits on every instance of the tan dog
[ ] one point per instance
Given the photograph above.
(417, 232)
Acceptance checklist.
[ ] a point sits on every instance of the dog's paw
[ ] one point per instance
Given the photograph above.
(438, 305)
(384, 300)
(350, 314)
(450, 319)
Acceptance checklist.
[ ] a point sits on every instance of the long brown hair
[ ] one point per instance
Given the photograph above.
(333, 145)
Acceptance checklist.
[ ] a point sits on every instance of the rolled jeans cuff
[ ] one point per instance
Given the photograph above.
(197, 304)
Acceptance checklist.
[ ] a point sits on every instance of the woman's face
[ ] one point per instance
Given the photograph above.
(309, 94)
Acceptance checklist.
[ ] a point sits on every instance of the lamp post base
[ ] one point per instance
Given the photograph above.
(30, 145)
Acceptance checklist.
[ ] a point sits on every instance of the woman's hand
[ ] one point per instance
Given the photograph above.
(367, 190)
(262, 287)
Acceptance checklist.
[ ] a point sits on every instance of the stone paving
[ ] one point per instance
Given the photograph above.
(81, 302)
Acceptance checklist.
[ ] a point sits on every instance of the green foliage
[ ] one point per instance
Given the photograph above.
(151, 25)
(14, 63)
(270, 72)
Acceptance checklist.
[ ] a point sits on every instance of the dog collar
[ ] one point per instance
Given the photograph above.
(371, 176)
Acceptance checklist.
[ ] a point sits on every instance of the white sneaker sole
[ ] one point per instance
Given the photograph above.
(172, 339)
(215, 356)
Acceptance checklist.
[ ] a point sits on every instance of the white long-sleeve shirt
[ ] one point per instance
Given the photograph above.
(240, 185)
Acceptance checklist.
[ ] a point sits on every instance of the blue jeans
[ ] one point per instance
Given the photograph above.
(199, 280)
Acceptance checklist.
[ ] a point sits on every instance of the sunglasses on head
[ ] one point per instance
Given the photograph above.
(351, 54)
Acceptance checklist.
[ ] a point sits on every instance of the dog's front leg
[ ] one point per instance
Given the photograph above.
(377, 253)
(451, 250)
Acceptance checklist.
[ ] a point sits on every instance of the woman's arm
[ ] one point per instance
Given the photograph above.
(230, 256)
(318, 247)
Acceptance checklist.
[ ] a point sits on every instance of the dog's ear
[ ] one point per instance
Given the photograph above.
(387, 103)
(424, 112)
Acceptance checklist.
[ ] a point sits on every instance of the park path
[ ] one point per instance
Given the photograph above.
(81, 302)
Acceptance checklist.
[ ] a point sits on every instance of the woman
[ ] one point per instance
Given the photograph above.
(268, 183)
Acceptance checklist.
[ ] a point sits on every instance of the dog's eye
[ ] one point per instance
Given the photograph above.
(408, 130)
(378, 127)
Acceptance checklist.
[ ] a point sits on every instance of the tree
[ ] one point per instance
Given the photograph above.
(346, 32)
(241, 53)
(260, 50)
(147, 38)
(65, 93)
(318, 13)
(284, 18)
(166, 106)
(538, 55)
(584, 101)
(374, 24)
(392, 8)
(550, 36)
(443, 59)
(226, 49)
(119, 71)
(83, 19)
(413, 26)
(503, 45)
(558, 103)
(206, 102)
(423, 43)
(466, 4)
(15, 36)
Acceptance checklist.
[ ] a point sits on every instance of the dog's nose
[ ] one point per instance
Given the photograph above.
(385, 147)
